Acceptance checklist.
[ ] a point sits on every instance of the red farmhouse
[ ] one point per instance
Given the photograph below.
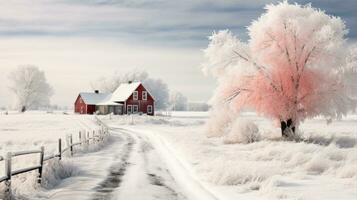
(128, 98)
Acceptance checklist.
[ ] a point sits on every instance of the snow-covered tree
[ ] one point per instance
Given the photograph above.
(178, 102)
(30, 87)
(111, 83)
(295, 65)
(159, 90)
(156, 87)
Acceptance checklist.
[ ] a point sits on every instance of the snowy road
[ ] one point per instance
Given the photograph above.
(134, 165)
(137, 173)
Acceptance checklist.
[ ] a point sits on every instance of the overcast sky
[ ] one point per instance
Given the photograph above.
(78, 41)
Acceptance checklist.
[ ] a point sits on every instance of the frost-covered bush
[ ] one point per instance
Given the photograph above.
(242, 131)
(55, 171)
(317, 165)
(218, 122)
(348, 171)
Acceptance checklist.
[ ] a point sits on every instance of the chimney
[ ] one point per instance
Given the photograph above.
(96, 91)
(130, 82)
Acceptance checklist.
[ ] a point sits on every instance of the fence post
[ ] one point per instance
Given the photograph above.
(93, 135)
(88, 137)
(71, 144)
(85, 140)
(42, 155)
(8, 174)
(68, 144)
(80, 138)
(59, 148)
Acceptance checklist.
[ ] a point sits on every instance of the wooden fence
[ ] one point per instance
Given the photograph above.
(83, 139)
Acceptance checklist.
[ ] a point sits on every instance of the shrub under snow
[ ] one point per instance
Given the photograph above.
(242, 131)
(55, 171)
(218, 122)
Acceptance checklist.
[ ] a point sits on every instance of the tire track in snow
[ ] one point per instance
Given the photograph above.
(155, 173)
(188, 183)
(141, 173)
(139, 158)
(117, 170)
(144, 172)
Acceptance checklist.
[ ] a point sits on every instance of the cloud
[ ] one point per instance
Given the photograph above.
(66, 37)
(155, 22)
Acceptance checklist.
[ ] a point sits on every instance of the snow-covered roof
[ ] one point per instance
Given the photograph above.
(123, 92)
(92, 98)
(108, 102)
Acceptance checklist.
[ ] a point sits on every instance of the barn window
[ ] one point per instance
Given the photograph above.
(149, 109)
(135, 108)
(129, 109)
(145, 95)
(135, 95)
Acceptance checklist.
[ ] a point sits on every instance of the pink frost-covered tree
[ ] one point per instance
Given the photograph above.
(293, 66)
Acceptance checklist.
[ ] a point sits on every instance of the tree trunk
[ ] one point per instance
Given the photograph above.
(286, 125)
(23, 109)
(290, 124)
(283, 127)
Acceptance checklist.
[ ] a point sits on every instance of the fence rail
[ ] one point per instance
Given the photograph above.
(82, 138)
(3, 178)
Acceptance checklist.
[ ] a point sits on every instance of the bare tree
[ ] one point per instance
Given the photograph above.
(178, 101)
(110, 84)
(159, 90)
(30, 87)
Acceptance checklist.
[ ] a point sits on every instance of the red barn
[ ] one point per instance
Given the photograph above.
(86, 102)
(128, 98)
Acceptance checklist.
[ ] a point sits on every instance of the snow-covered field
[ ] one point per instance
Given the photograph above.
(324, 166)
(30, 131)
(170, 157)
(34, 129)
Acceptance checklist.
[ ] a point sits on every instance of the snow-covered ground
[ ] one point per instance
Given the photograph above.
(29, 131)
(322, 167)
(37, 128)
(170, 157)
